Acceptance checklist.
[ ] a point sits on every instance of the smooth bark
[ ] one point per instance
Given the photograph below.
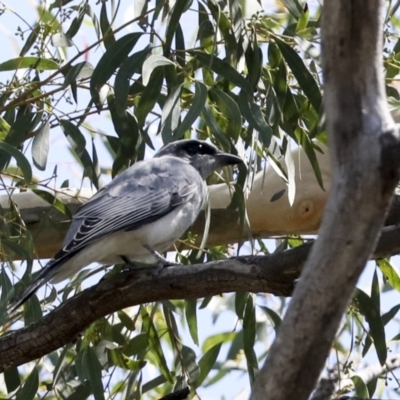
(365, 155)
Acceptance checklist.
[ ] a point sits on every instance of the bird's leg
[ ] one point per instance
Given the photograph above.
(162, 262)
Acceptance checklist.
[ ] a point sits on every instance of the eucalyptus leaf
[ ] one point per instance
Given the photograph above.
(29, 62)
(153, 62)
(41, 146)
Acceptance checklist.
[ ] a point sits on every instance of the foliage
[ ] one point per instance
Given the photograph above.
(206, 68)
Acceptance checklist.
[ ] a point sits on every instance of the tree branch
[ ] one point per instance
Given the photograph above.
(274, 273)
(365, 154)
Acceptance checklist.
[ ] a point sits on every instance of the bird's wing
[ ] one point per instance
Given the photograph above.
(137, 197)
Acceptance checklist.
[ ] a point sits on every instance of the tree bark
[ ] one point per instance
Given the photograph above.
(274, 273)
(365, 156)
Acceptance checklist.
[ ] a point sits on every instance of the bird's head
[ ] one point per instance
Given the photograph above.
(203, 156)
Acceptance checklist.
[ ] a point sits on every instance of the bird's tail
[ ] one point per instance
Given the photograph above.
(45, 275)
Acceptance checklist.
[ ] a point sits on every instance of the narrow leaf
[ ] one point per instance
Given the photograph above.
(41, 146)
(61, 40)
(173, 22)
(230, 111)
(153, 62)
(191, 318)
(254, 116)
(21, 160)
(29, 62)
(130, 66)
(106, 28)
(170, 115)
(249, 338)
(207, 362)
(110, 61)
(154, 340)
(190, 364)
(222, 68)
(30, 40)
(360, 387)
(198, 102)
(390, 273)
(30, 387)
(12, 379)
(374, 320)
(74, 136)
(81, 70)
(93, 369)
(302, 74)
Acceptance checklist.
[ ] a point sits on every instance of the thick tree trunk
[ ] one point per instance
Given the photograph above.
(365, 154)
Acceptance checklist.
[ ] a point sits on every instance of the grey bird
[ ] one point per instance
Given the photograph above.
(139, 214)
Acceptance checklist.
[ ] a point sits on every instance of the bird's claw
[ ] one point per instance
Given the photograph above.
(162, 262)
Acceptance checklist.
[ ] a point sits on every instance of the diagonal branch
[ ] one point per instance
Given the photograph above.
(274, 273)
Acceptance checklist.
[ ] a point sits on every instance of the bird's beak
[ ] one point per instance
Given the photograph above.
(224, 159)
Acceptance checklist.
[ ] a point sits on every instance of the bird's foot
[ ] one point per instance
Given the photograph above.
(162, 262)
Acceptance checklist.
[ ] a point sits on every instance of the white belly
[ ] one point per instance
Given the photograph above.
(158, 235)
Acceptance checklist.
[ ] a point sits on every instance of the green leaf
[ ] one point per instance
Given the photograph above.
(294, 7)
(74, 136)
(82, 392)
(109, 62)
(273, 316)
(302, 74)
(153, 383)
(303, 20)
(215, 129)
(218, 338)
(308, 147)
(77, 21)
(81, 70)
(126, 320)
(170, 115)
(30, 41)
(93, 369)
(176, 13)
(136, 345)
(222, 68)
(191, 318)
(198, 102)
(30, 387)
(12, 379)
(60, 39)
(390, 273)
(21, 160)
(153, 62)
(149, 97)
(207, 362)
(240, 303)
(41, 146)
(61, 361)
(106, 29)
(29, 62)
(189, 363)
(230, 111)
(360, 387)
(254, 116)
(130, 66)
(249, 338)
(154, 340)
(372, 315)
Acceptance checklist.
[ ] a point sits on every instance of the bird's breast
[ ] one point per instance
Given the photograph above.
(159, 235)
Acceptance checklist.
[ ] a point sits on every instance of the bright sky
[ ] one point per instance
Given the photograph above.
(68, 168)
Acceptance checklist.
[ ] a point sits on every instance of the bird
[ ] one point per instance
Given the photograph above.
(139, 214)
